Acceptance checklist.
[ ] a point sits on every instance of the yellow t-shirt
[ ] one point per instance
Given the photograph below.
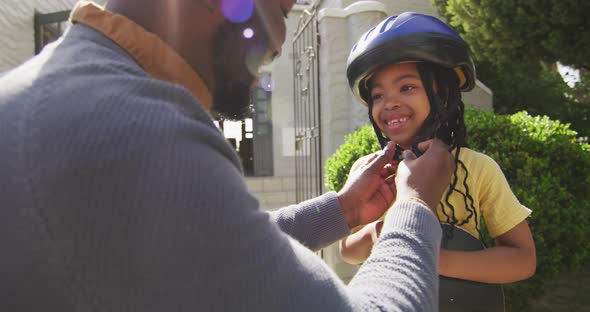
(491, 195)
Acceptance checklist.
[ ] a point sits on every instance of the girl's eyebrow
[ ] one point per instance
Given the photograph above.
(397, 79)
(406, 76)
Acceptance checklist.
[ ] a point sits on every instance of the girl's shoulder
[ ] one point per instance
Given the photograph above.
(479, 164)
(467, 155)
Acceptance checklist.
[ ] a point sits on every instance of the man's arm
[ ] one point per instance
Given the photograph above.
(401, 271)
(365, 197)
(316, 223)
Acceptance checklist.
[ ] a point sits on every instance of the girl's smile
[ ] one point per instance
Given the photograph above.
(396, 122)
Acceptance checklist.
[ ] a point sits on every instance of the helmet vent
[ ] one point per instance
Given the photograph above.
(387, 23)
(369, 33)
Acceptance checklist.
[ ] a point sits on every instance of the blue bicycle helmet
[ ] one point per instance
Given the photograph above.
(409, 37)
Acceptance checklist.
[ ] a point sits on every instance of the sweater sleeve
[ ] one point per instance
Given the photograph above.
(402, 270)
(315, 223)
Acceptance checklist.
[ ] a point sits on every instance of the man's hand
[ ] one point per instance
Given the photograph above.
(425, 178)
(370, 190)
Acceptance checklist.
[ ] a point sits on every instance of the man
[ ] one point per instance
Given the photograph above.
(119, 194)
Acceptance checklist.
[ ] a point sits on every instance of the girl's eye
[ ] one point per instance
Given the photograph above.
(376, 97)
(407, 88)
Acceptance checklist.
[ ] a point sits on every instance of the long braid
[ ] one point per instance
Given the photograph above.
(470, 208)
(446, 122)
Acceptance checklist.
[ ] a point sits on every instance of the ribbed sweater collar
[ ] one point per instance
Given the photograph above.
(155, 56)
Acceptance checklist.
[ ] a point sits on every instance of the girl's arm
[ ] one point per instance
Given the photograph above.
(356, 247)
(512, 259)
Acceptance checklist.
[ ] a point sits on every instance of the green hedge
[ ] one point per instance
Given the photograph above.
(548, 169)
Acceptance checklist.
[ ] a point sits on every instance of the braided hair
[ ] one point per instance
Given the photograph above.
(446, 122)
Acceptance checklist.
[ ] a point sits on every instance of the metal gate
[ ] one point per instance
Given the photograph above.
(308, 162)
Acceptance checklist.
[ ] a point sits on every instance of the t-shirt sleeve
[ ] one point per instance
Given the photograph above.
(500, 208)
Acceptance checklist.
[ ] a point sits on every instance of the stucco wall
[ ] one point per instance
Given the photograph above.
(398, 6)
(331, 4)
(282, 102)
(17, 33)
(393, 7)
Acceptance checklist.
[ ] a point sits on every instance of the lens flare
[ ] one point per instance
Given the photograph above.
(248, 33)
(237, 11)
(266, 82)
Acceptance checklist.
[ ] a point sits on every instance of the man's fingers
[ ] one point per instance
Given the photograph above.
(388, 169)
(434, 144)
(370, 159)
(388, 151)
(383, 158)
(409, 155)
(425, 145)
(388, 192)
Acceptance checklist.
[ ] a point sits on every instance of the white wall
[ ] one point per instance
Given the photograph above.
(331, 3)
(17, 33)
(395, 7)
(283, 103)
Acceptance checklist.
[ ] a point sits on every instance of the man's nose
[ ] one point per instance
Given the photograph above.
(277, 50)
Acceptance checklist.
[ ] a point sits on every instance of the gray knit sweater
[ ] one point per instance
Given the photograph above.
(118, 193)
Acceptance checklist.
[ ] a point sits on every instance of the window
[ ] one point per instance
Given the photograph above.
(48, 27)
(252, 136)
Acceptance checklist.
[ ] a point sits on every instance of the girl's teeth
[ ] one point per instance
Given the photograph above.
(392, 122)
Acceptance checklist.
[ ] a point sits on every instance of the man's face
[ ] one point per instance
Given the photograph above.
(239, 49)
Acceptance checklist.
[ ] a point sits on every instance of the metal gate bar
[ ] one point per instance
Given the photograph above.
(308, 162)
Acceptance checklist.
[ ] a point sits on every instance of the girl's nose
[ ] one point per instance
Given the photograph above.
(391, 102)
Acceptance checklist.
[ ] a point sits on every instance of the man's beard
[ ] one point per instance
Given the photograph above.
(233, 75)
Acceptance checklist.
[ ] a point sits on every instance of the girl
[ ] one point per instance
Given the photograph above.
(409, 70)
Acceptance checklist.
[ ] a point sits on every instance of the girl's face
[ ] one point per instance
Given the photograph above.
(400, 103)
